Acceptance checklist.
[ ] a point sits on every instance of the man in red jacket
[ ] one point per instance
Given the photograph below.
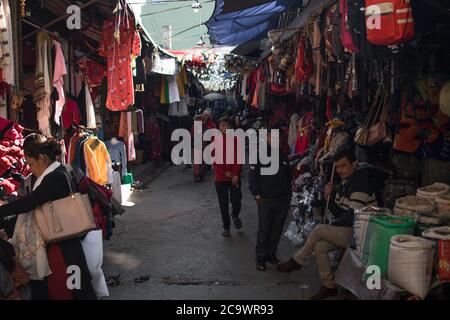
(228, 182)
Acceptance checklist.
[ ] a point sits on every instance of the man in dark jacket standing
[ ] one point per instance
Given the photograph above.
(354, 191)
(273, 197)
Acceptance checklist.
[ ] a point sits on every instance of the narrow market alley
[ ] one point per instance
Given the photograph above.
(173, 235)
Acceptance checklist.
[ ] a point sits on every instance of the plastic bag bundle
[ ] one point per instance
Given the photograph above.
(294, 235)
(411, 264)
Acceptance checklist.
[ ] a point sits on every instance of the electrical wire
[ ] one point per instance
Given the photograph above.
(172, 9)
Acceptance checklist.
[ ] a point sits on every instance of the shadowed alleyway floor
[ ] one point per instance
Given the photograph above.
(173, 235)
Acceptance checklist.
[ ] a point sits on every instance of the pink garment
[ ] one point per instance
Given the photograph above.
(58, 82)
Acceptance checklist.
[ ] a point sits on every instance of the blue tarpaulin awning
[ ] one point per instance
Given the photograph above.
(235, 28)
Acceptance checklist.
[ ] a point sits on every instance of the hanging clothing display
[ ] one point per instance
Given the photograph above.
(125, 131)
(89, 154)
(6, 44)
(140, 121)
(71, 114)
(93, 72)
(98, 161)
(42, 84)
(182, 81)
(174, 94)
(118, 48)
(90, 112)
(58, 80)
(152, 133)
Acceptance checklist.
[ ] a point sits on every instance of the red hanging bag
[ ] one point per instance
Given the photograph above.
(389, 22)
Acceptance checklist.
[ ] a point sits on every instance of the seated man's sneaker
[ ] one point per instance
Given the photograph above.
(324, 293)
(288, 266)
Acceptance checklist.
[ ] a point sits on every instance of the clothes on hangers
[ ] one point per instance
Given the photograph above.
(7, 72)
(125, 131)
(42, 83)
(58, 80)
(93, 71)
(71, 114)
(118, 52)
(89, 154)
(152, 134)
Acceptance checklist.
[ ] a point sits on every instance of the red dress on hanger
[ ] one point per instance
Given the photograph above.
(118, 53)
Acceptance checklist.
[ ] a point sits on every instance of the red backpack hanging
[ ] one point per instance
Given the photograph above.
(389, 22)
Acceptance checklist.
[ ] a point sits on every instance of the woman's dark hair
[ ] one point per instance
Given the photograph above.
(36, 144)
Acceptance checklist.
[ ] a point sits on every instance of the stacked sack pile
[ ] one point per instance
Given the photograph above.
(13, 168)
(412, 245)
(405, 255)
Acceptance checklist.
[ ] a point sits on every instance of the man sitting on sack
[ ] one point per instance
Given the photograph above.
(354, 191)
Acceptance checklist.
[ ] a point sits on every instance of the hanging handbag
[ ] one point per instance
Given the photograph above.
(362, 134)
(378, 131)
(65, 218)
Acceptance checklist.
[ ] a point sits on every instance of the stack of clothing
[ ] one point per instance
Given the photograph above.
(13, 168)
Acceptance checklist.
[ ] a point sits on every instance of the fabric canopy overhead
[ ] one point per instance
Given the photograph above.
(233, 5)
(235, 28)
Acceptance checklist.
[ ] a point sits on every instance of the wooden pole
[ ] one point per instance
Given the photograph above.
(329, 196)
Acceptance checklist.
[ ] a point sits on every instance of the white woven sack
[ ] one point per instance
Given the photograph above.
(409, 205)
(363, 217)
(438, 233)
(433, 191)
(411, 264)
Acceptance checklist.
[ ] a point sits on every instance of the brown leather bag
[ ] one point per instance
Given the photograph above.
(378, 131)
(362, 133)
(373, 131)
(65, 218)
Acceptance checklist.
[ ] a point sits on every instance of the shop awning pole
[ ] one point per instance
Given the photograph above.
(57, 20)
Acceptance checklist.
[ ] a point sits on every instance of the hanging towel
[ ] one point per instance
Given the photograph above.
(174, 94)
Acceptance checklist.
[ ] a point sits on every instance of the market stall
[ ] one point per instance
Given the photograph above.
(329, 80)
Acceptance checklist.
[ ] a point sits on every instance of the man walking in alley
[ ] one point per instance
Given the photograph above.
(228, 182)
(273, 197)
(354, 191)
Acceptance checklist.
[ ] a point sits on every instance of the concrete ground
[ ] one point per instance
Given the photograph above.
(173, 235)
